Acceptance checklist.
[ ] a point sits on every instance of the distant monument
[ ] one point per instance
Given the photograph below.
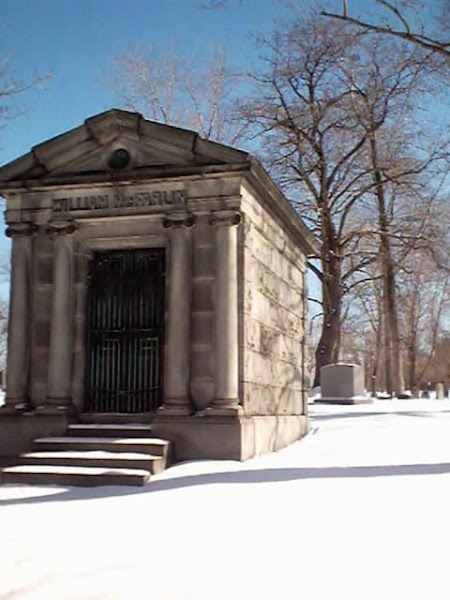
(440, 391)
(343, 383)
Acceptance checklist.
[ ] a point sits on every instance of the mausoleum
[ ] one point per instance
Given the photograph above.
(155, 276)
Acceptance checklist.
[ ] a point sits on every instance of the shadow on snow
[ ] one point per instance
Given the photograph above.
(349, 415)
(237, 477)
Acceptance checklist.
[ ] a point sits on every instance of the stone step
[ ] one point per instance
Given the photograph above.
(95, 458)
(128, 430)
(116, 418)
(154, 446)
(69, 475)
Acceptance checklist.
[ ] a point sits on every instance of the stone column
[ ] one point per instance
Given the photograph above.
(226, 371)
(17, 373)
(178, 355)
(61, 326)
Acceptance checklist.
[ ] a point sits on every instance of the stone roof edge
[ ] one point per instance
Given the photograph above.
(263, 184)
(91, 130)
(132, 178)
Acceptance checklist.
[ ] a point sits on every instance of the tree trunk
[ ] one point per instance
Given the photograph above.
(387, 345)
(393, 360)
(327, 351)
(412, 346)
(378, 342)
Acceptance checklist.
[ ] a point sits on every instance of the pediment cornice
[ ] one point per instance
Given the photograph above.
(88, 152)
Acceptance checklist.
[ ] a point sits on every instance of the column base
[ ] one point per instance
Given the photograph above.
(16, 405)
(224, 407)
(56, 406)
(223, 411)
(174, 411)
(179, 407)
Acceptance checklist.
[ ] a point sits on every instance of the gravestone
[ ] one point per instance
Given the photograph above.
(440, 391)
(343, 383)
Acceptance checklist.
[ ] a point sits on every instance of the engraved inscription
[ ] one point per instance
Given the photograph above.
(141, 199)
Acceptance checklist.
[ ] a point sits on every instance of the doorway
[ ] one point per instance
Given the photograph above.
(125, 331)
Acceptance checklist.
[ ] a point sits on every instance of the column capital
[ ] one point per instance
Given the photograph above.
(61, 228)
(179, 219)
(15, 230)
(221, 218)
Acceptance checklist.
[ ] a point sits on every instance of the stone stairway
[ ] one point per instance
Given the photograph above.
(92, 454)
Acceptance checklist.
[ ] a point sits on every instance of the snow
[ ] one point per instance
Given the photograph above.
(357, 509)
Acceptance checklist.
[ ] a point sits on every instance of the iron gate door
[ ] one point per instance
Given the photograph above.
(125, 328)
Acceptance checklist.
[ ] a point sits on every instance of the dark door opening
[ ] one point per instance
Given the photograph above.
(125, 331)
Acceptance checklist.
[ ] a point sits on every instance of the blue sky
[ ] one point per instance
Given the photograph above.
(77, 39)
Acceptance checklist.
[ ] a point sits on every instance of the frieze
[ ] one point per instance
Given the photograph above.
(152, 199)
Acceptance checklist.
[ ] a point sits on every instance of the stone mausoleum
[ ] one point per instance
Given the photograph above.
(155, 276)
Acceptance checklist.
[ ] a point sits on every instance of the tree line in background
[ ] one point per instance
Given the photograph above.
(338, 110)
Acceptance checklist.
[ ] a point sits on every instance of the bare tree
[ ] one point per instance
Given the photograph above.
(326, 104)
(302, 107)
(165, 87)
(14, 94)
(402, 20)
(424, 294)
(438, 368)
(13, 91)
(213, 4)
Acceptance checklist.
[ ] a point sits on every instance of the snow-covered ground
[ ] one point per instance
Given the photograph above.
(358, 509)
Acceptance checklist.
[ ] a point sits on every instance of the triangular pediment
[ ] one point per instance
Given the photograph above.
(114, 144)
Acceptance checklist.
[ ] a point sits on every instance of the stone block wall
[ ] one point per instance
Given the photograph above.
(272, 316)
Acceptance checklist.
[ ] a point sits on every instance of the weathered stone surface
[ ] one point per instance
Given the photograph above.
(273, 316)
(42, 332)
(343, 384)
(196, 438)
(440, 391)
(45, 269)
(42, 301)
(202, 392)
(201, 361)
(342, 380)
(204, 262)
(202, 327)
(203, 295)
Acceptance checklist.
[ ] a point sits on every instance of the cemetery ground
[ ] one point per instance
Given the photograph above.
(357, 509)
